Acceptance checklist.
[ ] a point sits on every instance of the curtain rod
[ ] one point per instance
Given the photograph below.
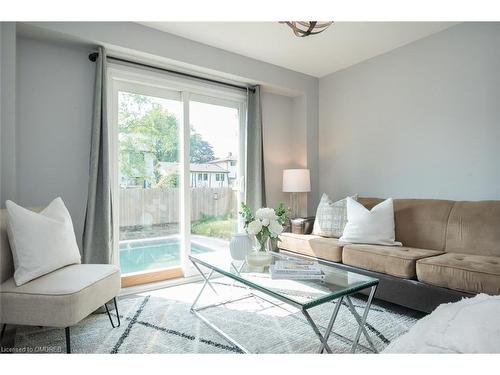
(93, 57)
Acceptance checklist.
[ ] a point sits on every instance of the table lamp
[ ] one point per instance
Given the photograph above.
(296, 181)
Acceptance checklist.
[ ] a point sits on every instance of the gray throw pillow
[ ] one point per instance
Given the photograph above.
(331, 217)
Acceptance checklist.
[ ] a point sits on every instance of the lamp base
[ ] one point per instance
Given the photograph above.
(294, 205)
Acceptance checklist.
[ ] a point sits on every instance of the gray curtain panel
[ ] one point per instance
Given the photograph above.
(255, 180)
(98, 229)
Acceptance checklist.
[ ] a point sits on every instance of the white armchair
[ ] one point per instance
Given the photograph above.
(59, 299)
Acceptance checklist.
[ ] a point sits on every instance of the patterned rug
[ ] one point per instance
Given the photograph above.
(160, 322)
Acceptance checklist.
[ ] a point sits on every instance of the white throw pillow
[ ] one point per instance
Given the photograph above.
(40, 242)
(375, 226)
(331, 217)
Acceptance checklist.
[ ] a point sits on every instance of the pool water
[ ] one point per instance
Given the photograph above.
(137, 256)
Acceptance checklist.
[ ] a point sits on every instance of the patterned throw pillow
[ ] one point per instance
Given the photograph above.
(331, 217)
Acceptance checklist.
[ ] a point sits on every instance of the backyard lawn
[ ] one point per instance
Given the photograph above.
(212, 226)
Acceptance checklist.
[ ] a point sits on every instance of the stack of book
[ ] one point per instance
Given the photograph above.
(296, 270)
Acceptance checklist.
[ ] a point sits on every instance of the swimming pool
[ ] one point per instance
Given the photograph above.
(143, 255)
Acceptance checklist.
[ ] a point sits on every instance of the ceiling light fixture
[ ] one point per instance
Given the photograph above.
(305, 28)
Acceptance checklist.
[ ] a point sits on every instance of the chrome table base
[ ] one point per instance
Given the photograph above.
(323, 337)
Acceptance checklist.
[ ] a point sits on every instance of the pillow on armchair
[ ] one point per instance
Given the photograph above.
(40, 242)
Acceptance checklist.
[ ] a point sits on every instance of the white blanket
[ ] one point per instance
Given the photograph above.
(471, 325)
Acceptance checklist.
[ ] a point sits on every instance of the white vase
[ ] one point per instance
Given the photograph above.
(240, 246)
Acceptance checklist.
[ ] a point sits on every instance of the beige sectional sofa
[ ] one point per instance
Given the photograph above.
(450, 249)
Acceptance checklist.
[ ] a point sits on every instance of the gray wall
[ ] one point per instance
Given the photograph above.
(149, 44)
(282, 145)
(54, 105)
(54, 112)
(422, 121)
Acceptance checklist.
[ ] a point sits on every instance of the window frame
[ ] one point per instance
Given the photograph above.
(123, 77)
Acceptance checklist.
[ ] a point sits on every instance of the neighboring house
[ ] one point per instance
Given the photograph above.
(229, 163)
(202, 175)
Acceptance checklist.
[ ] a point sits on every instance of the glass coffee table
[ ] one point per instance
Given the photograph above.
(337, 287)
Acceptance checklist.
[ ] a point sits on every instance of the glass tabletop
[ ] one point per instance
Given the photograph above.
(300, 293)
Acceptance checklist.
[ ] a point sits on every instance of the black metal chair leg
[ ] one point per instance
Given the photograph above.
(117, 314)
(4, 326)
(68, 341)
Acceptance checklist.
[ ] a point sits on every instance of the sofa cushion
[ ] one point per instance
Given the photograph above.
(396, 261)
(312, 245)
(419, 223)
(464, 272)
(61, 298)
(474, 228)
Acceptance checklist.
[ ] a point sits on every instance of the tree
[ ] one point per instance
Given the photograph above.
(169, 181)
(148, 136)
(201, 151)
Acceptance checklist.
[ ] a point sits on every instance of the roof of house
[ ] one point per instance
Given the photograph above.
(169, 167)
(229, 157)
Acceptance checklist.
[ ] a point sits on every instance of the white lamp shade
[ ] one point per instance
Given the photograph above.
(296, 181)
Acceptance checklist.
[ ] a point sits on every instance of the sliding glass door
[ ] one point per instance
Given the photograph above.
(214, 174)
(177, 172)
(148, 171)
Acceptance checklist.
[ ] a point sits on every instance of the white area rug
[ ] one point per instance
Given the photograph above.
(160, 322)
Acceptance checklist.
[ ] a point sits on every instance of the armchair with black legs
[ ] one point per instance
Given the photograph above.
(61, 298)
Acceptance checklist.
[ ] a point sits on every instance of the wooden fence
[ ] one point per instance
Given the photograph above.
(161, 206)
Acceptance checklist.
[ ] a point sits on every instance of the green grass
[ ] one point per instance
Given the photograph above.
(212, 226)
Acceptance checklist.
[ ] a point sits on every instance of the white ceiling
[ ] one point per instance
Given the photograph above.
(342, 45)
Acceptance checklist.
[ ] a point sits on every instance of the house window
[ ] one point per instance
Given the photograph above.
(232, 163)
(222, 176)
(217, 177)
(205, 176)
(200, 176)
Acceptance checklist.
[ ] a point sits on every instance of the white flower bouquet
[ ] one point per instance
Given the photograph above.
(267, 223)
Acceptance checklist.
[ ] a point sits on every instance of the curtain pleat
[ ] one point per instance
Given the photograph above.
(255, 178)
